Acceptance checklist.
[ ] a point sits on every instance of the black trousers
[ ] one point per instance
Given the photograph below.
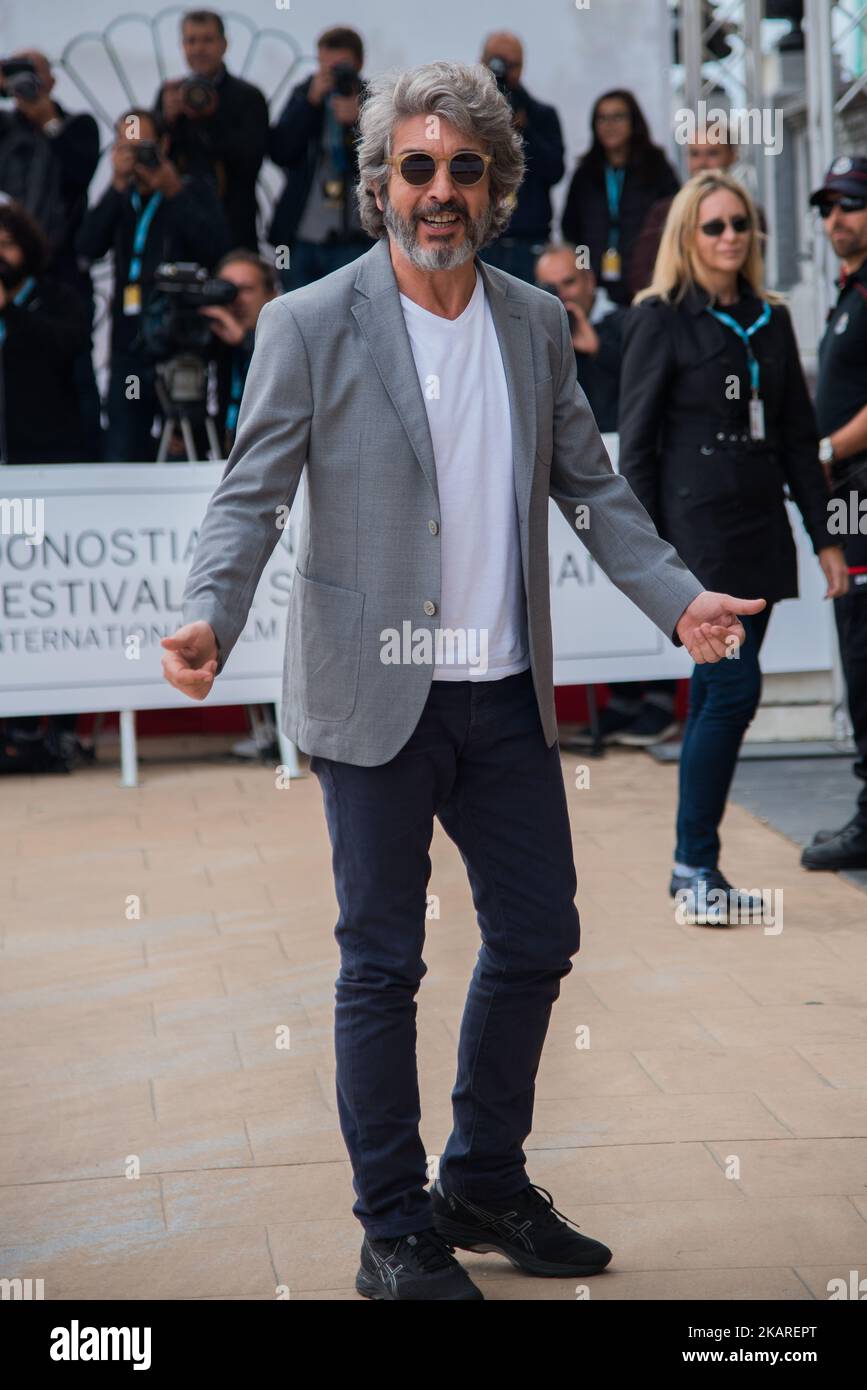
(850, 613)
(479, 763)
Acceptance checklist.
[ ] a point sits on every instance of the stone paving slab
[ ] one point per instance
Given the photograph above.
(159, 944)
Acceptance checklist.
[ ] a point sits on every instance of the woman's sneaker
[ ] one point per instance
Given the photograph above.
(707, 899)
(526, 1228)
(413, 1267)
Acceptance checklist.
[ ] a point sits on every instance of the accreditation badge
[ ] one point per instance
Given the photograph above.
(757, 418)
(132, 299)
(611, 264)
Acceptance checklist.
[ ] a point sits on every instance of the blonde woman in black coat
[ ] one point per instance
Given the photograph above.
(715, 420)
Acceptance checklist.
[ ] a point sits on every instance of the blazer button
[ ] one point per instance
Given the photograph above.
(432, 527)
(720, 436)
(429, 607)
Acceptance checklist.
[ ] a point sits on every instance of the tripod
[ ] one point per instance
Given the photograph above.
(182, 391)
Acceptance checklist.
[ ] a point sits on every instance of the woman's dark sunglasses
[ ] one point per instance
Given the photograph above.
(719, 224)
(466, 167)
(843, 203)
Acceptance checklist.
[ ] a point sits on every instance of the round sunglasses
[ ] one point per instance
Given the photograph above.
(718, 225)
(466, 167)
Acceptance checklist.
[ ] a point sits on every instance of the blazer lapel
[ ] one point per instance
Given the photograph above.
(380, 318)
(513, 334)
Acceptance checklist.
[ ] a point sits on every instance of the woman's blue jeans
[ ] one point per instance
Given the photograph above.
(723, 698)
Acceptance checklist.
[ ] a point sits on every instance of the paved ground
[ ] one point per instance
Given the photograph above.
(147, 1044)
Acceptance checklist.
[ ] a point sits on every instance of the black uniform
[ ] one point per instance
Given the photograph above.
(685, 446)
(841, 392)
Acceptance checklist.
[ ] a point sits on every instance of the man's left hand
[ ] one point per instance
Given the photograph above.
(710, 629)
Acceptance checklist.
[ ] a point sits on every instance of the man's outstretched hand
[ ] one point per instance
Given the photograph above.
(710, 629)
(190, 660)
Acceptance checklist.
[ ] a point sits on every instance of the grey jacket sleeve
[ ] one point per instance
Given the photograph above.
(242, 523)
(615, 527)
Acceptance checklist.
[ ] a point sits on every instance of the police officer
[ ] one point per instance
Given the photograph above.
(841, 411)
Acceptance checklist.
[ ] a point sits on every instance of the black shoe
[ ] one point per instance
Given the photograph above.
(418, 1266)
(652, 726)
(845, 850)
(526, 1228)
(611, 722)
(707, 899)
(822, 835)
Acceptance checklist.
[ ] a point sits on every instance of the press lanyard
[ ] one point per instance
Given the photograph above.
(19, 298)
(611, 262)
(142, 227)
(757, 409)
(235, 392)
(132, 303)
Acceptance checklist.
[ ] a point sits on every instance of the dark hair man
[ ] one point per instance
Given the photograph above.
(841, 414)
(148, 214)
(217, 123)
(316, 218)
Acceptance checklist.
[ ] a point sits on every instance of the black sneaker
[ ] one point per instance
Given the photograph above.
(611, 722)
(652, 725)
(822, 835)
(845, 850)
(418, 1266)
(707, 899)
(526, 1228)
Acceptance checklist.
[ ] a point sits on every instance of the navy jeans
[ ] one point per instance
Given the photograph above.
(478, 761)
(723, 697)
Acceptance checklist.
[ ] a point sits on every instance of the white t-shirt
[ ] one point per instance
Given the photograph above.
(467, 401)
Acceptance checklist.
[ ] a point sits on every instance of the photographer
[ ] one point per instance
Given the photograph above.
(234, 327)
(217, 123)
(539, 127)
(314, 143)
(148, 214)
(43, 328)
(597, 329)
(47, 160)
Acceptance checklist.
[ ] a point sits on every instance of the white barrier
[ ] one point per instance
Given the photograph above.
(82, 612)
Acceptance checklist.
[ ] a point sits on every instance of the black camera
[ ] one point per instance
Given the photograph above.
(20, 79)
(499, 67)
(171, 322)
(198, 92)
(147, 154)
(346, 80)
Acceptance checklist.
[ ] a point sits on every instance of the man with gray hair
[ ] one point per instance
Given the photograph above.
(433, 401)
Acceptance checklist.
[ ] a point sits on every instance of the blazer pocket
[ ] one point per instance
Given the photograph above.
(325, 641)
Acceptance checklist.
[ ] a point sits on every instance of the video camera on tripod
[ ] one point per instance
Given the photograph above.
(178, 338)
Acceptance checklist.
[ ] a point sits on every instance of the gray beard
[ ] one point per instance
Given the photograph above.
(403, 229)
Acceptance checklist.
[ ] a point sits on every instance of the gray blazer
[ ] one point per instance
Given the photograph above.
(332, 385)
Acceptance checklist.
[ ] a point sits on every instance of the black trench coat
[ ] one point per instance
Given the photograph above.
(685, 447)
